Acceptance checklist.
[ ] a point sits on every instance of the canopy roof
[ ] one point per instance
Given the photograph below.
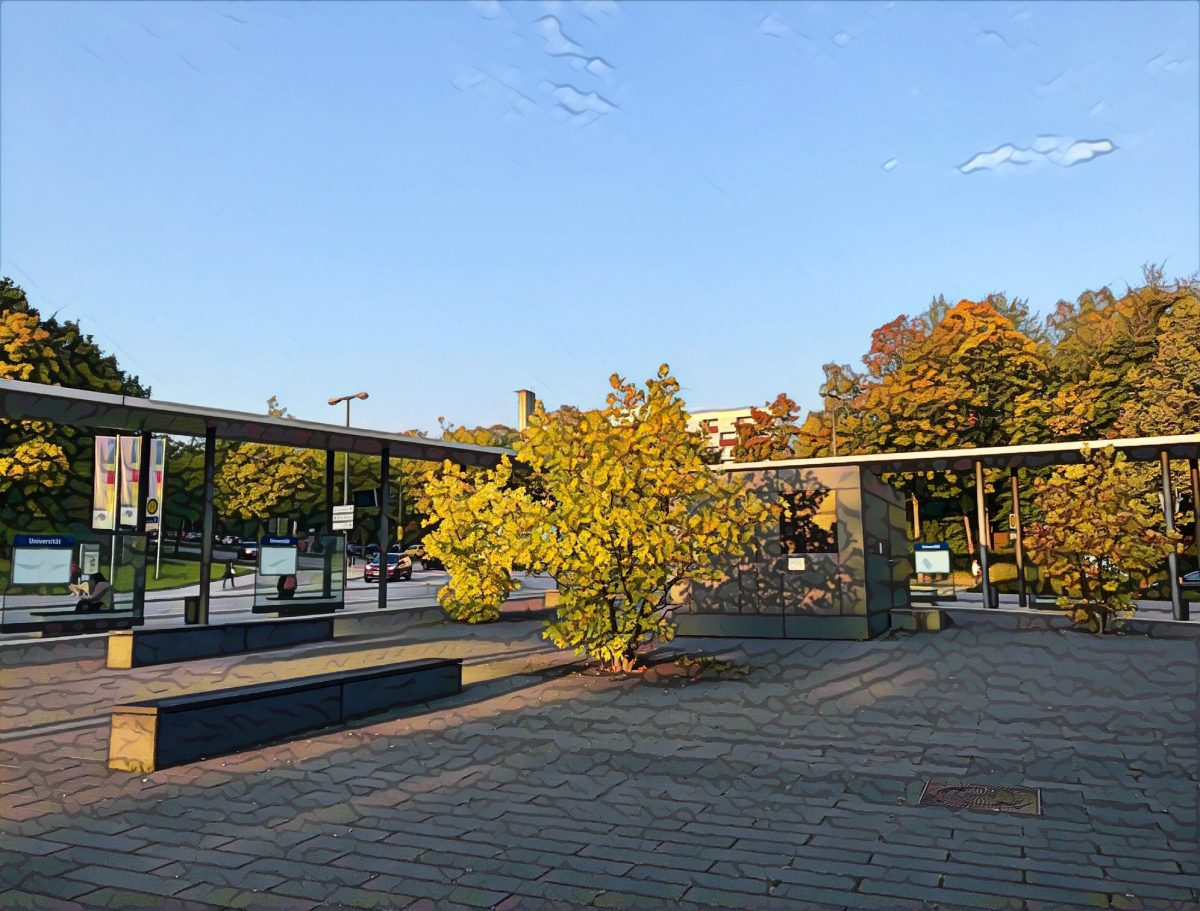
(1142, 449)
(130, 414)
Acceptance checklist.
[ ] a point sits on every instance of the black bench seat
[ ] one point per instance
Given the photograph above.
(141, 647)
(158, 733)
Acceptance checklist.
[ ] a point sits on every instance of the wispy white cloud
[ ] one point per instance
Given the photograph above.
(488, 9)
(773, 27)
(554, 40)
(1164, 64)
(1056, 150)
(556, 43)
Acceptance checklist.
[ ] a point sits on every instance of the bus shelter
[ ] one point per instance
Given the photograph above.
(31, 604)
(840, 557)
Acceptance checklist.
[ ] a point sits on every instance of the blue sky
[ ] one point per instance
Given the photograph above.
(442, 203)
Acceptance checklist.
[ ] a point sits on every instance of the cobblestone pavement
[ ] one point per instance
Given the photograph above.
(543, 788)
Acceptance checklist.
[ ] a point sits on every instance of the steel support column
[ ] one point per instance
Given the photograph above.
(1194, 465)
(1022, 598)
(139, 523)
(384, 535)
(207, 520)
(1179, 610)
(981, 509)
(327, 561)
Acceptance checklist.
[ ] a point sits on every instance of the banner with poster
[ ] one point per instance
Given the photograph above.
(104, 484)
(154, 497)
(127, 489)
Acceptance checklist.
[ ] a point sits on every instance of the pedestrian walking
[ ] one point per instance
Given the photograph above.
(230, 576)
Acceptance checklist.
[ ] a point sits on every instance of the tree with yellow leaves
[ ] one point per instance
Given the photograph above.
(618, 506)
(1099, 536)
(257, 481)
(484, 530)
(45, 467)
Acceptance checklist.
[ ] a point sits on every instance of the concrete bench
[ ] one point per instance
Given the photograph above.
(137, 648)
(919, 619)
(158, 733)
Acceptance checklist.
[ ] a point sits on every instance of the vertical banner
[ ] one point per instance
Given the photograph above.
(104, 484)
(127, 490)
(154, 497)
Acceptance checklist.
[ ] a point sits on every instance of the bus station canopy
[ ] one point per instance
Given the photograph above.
(127, 414)
(1033, 455)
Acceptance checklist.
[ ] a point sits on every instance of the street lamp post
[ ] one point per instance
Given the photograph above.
(346, 468)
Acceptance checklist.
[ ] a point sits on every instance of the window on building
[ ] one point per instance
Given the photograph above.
(808, 524)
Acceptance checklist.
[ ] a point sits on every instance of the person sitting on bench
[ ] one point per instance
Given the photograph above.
(286, 587)
(99, 595)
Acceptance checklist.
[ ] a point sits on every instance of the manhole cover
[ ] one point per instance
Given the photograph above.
(956, 795)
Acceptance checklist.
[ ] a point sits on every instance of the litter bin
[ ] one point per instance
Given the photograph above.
(191, 610)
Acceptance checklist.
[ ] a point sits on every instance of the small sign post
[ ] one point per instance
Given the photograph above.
(343, 518)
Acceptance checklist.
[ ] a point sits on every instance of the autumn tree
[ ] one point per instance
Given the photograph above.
(1099, 535)
(618, 507)
(890, 344)
(962, 386)
(484, 531)
(256, 481)
(839, 392)
(46, 467)
(1100, 343)
(1166, 387)
(421, 476)
(771, 432)
(632, 512)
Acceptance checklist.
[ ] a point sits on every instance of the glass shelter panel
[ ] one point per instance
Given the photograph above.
(300, 575)
(71, 582)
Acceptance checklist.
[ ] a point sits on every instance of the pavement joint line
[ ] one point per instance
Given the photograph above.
(52, 727)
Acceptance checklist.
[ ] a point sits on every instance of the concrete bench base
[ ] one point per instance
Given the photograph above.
(137, 648)
(158, 733)
(920, 619)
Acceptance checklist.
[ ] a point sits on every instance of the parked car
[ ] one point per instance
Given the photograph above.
(414, 552)
(1190, 581)
(354, 550)
(248, 550)
(398, 567)
(225, 539)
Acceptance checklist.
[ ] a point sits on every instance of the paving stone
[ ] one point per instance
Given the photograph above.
(621, 789)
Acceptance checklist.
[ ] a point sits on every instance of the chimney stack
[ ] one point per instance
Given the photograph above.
(525, 405)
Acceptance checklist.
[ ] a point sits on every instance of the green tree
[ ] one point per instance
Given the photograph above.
(1099, 535)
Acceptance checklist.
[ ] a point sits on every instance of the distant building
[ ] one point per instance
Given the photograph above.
(721, 426)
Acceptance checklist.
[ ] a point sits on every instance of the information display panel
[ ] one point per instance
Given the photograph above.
(931, 559)
(277, 556)
(42, 560)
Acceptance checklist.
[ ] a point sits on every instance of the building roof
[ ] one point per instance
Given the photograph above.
(129, 414)
(1184, 446)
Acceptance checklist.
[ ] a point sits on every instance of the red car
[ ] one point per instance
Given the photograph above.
(399, 567)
